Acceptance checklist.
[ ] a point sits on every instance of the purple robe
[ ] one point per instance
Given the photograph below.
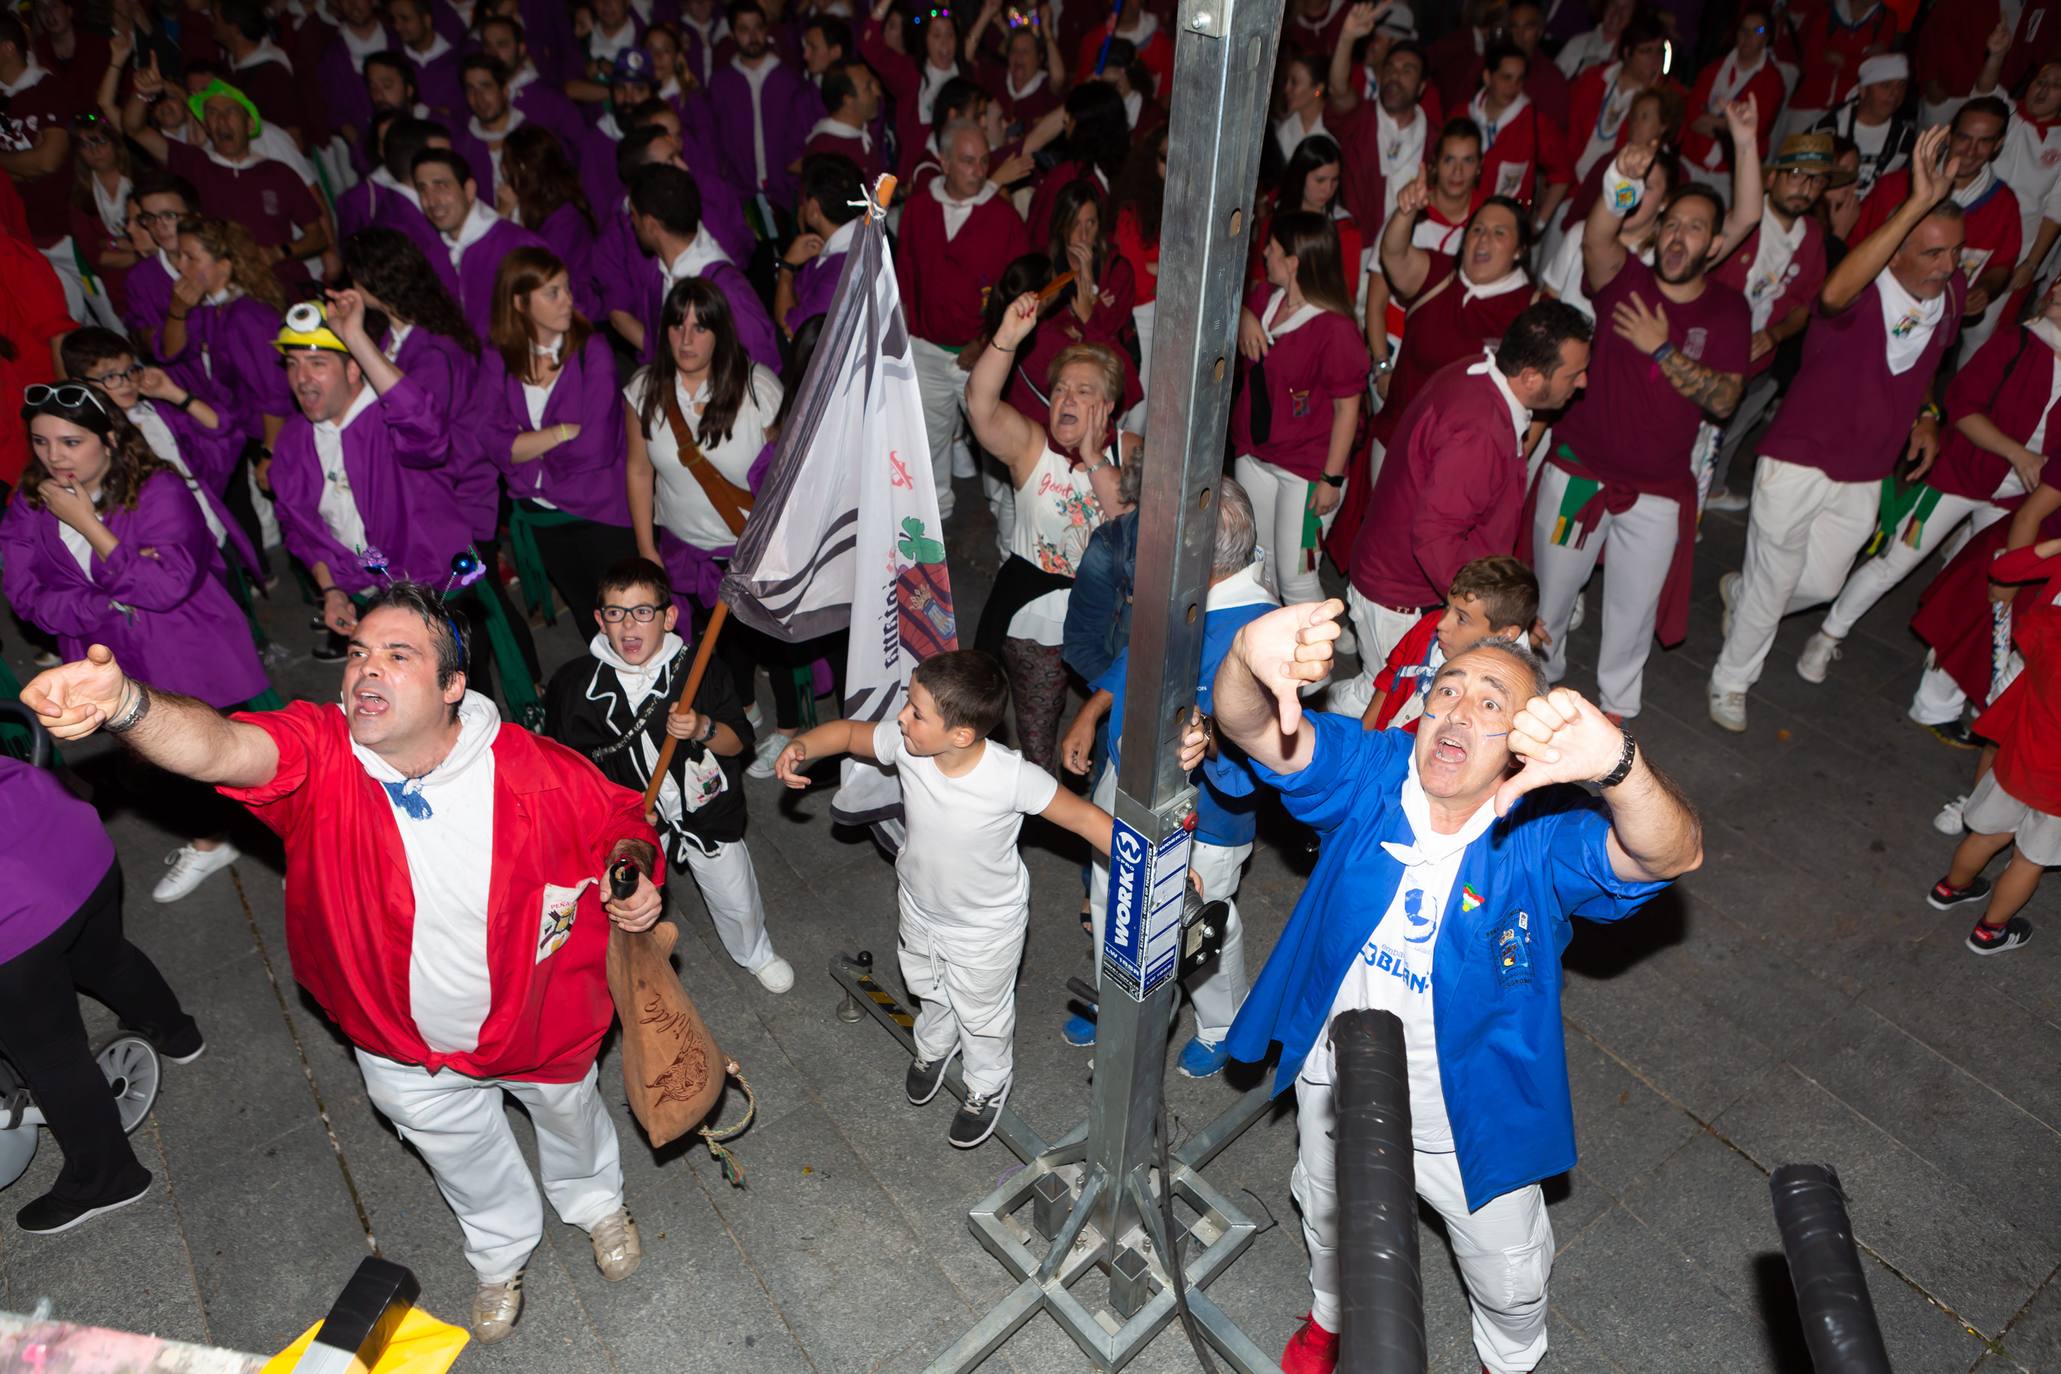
(449, 376)
(184, 632)
(619, 265)
(583, 476)
(437, 85)
(548, 106)
(787, 108)
(229, 353)
(447, 22)
(548, 33)
(595, 157)
(342, 86)
(392, 210)
(395, 458)
(147, 301)
(478, 265)
(210, 455)
(565, 232)
(815, 286)
(40, 818)
(755, 330)
(702, 57)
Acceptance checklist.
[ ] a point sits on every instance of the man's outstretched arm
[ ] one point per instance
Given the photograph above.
(1256, 694)
(178, 734)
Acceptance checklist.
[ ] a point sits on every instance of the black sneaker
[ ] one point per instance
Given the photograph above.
(1956, 734)
(49, 1214)
(1945, 898)
(976, 1120)
(925, 1079)
(1992, 939)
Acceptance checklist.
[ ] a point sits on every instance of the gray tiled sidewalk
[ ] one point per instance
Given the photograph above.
(1794, 1000)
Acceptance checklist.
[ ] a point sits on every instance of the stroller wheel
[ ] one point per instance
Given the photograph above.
(133, 1073)
(17, 1148)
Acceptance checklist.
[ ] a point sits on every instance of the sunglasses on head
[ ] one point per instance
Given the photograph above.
(71, 395)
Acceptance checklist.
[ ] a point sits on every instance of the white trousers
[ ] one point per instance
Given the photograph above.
(1801, 538)
(970, 1007)
(1144, 317)
(730, 889)
(1218, 996)
(1642, 544)
(1505, 1250)
(459, 1127)
(1378, 630)
(1279, 499)
(1875, 576)
(943, 388)
(1939, 699)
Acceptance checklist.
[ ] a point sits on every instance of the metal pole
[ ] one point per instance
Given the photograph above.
(1223, 68)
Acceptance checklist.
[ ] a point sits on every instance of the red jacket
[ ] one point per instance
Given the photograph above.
(350, 906)
(2026, 720)
(1396, 681)
(1767, 91)
(2009, 380)
(1527, 156)
(945, 282)
(1821, 35)
(1361, 184)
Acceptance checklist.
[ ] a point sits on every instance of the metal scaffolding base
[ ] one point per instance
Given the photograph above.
(1039, 1224)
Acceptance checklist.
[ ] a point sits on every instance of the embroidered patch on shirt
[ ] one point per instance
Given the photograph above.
(1469, 898)
(561, 906)
(1511, 939)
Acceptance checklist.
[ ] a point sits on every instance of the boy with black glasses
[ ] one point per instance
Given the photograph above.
(616, 708)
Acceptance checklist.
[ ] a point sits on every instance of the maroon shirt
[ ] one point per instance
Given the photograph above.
(1631, 423)
(1322, 360)
(1443, 327)
(268, 198)
(945, 282)
(50, 103)
(1846, 413)
(2009, 381)
(1450, 491)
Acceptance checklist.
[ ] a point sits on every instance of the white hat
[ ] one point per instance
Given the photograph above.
(1891, 66)
(1398, 22)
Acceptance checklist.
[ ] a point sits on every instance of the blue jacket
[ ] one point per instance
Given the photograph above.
(1098, 609)
(1495, 975)
(1224, 804)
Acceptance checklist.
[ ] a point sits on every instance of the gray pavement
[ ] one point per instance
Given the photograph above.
(1795, 1000)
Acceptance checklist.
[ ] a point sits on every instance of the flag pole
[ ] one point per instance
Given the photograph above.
(883, 192)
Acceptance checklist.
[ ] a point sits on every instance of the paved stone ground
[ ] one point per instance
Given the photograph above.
(1795, 1000)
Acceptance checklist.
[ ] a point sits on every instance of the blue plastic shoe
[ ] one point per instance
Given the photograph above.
(1200, 1059)
(1078, 1032)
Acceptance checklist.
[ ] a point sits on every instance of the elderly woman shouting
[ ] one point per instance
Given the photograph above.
(1064, 472)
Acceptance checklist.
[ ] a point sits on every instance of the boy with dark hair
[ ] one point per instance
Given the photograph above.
(1496, 597)
(617, 708)
(965, 894)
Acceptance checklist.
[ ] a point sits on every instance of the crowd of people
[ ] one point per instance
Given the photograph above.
(457, 317)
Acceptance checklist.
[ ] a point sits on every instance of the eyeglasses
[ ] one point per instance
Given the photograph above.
(643, 615)
(160, 216)
(71, 396)
(127, 374)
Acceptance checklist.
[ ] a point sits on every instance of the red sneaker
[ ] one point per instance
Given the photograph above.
(1311, 1350)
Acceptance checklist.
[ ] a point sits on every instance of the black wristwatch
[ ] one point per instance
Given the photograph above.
(1334, 479)
(1624, 762)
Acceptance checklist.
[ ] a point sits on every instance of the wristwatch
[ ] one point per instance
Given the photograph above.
(1333, 479)
(1624, 762)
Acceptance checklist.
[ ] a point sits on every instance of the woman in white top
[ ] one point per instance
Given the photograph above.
(1064, 473)
(1302, 102)
(697, 418)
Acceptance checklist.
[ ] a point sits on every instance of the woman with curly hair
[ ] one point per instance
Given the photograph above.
(225, 313)
(105, 544)
(543, 194)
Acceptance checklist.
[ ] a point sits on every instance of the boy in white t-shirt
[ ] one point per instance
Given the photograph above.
(965, 894)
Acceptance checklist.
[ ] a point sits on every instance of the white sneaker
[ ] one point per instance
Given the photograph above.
(755, 718)
(1818, 652)
(1725, 500)
(1728, 592)
(1580, 613)
(1728, 710)
(617, 1248)
(768, 754)
(1347, 642)
(777, 976)
(495, 1306)
(1948, 821)
(190, 867)
(963, 466)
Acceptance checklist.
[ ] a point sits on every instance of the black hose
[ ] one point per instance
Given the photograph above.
(1380, 1287)
(1825, 1266)
(1176, 1269)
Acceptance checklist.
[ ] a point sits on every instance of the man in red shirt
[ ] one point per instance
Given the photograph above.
(445, 883)
(1522, 154)
(1747, 72)
(1989, 210)
(958, 234)
(1452, 485)
(1675, 348)
(1386, 140)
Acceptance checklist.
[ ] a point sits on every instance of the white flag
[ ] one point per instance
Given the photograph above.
(845, 529)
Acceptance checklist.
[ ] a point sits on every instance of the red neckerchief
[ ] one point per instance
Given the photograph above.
(2040, 126)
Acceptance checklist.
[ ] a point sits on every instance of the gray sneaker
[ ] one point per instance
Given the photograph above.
(617, 1248)
(495, 1306)
(1728, 710)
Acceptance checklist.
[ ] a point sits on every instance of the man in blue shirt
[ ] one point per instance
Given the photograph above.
(1223, 805)
(1451, 866)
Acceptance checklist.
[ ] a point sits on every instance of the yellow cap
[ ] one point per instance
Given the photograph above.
(307, 326)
